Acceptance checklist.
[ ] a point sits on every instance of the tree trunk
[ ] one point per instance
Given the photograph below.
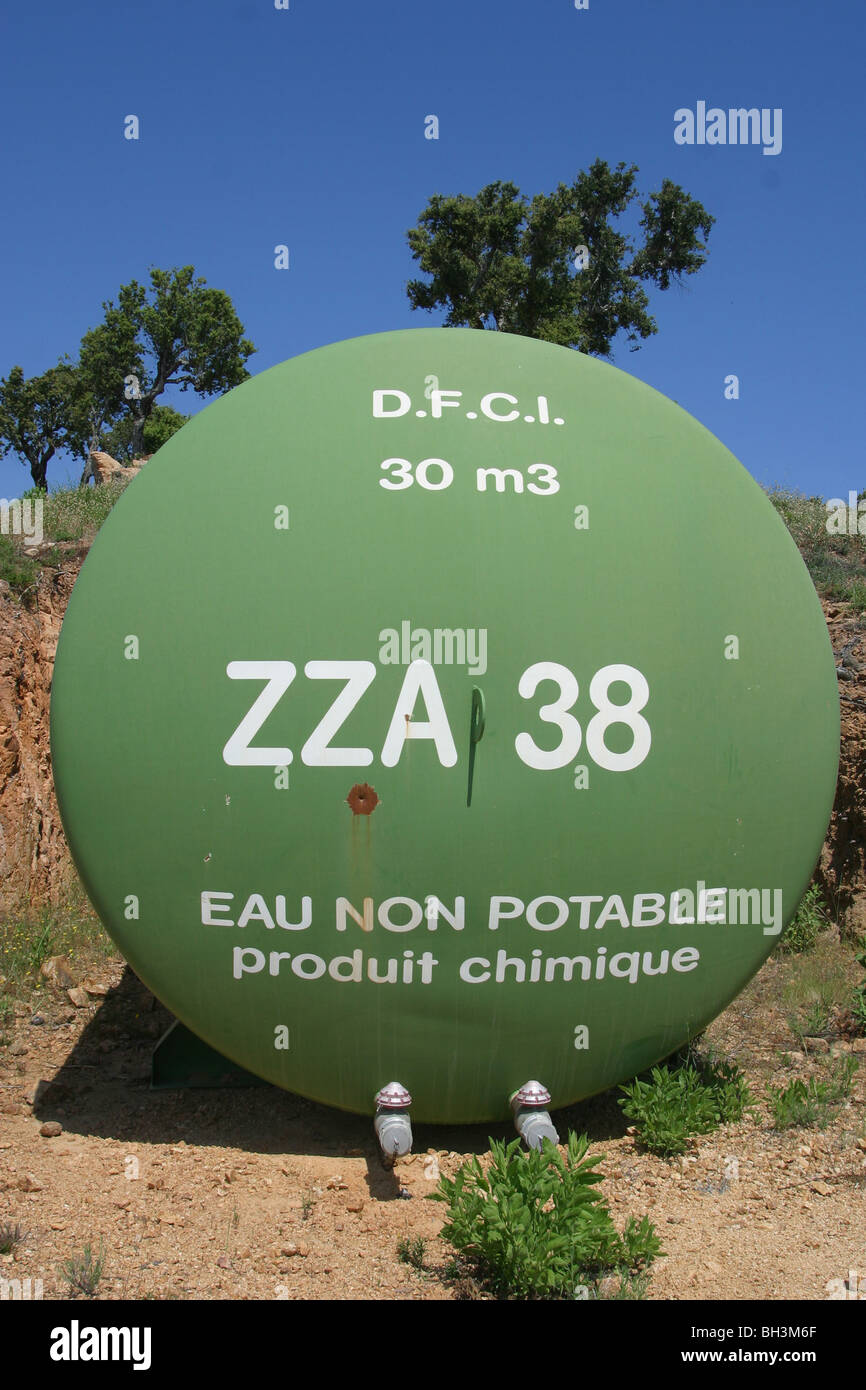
(138, 424)
(39, 469)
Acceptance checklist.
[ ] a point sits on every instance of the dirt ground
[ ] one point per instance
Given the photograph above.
(253, 1193)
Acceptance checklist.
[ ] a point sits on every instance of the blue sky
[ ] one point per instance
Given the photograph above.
(306, 127)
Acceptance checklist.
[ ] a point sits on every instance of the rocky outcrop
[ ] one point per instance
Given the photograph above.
(34, 861)
(841, 871)
(104, 469)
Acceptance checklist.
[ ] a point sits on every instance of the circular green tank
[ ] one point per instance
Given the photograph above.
(445, 706)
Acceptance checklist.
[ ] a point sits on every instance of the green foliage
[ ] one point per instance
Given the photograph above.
(11, 1236)
(69, 514)
(76, 513)
(161, 424)
(17, 569)
(411, 1252)
(835, 562)
(83, 1272)
(533, 1226)
(502, 261)
(678, 1102)
(816, 1021)
(29, 938)
(176, 332)
(41, 414)
(801, 1104)
(806, 925)
(818, 989)
(858, 1002)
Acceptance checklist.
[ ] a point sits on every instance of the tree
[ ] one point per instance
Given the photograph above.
(176, 333)
(41, 414)
(160, 425)
(556, 267)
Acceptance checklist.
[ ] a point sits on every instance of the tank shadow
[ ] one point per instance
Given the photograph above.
(103, 1088)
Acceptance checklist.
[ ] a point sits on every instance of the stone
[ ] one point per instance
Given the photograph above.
(79, 997)
(93, 986)
(59, 973)
(51, 1129)
(816, 1044)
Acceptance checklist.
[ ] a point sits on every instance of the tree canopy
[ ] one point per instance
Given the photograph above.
(556, 266)
(176, 332)
(40, 415)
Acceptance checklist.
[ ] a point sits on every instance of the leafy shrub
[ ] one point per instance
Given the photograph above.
(532, 1225)
(802, 1104)
(681, 1101)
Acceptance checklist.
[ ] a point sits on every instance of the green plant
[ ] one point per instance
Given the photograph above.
(83, 1272)
(802, 1104)
(29, 938)
(412, 1252)
(18, 571)
(10, 1236)
(816, 1021)
(818, 988)
(307, 1205)
(808, 922)
(858, 1002)
(833, 558)
(533, 1226)
(678, 1102)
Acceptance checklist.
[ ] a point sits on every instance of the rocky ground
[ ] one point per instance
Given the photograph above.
(257, 1194)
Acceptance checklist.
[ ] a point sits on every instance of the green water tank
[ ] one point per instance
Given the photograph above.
(449, 707)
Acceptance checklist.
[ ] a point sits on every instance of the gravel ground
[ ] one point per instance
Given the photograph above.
(253, 1193)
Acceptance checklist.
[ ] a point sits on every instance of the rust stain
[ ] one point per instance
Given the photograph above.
(362, 799)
